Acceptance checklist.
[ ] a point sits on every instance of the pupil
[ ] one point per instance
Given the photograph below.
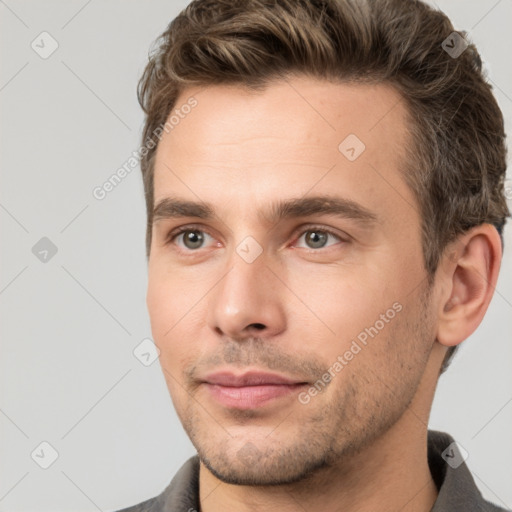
(314, 236)
(194, 238)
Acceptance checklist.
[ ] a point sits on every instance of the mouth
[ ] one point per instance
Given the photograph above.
(250, 390)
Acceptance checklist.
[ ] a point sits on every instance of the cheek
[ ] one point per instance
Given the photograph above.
(352, 314)
(341, 301)
(159, 301)
(164, 308)
(176, 315)
(169, 300)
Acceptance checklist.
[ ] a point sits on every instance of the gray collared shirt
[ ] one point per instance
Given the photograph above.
(457, 491)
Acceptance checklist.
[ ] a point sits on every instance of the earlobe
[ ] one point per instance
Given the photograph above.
(469, 272)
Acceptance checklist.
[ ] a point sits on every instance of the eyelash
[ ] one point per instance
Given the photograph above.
(183, 229)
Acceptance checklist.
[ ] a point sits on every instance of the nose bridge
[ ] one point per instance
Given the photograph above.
(247, 296)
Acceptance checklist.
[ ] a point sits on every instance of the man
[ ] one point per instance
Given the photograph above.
(324, 184)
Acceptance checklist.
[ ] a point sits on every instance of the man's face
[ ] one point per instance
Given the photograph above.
(334, 300)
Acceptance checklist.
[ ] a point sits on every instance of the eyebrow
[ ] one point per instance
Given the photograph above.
(172, 207)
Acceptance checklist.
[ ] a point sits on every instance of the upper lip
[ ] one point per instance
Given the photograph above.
(248, 379)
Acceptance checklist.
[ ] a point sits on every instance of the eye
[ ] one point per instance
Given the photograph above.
(191, 238)
(317, 237)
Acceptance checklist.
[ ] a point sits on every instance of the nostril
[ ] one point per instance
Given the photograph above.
(258, 326)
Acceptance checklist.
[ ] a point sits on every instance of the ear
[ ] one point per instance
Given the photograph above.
(469, 271)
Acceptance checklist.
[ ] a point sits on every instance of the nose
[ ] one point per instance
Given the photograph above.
(247, 301)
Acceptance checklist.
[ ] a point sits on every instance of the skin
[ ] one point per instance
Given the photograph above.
(360, 444)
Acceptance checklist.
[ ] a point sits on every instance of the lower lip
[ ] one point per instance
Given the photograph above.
(250, 397)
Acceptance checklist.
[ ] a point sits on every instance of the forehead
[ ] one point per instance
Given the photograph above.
(295, 135)
(310, 109)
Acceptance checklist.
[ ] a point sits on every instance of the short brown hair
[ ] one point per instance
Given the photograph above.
(457, 159)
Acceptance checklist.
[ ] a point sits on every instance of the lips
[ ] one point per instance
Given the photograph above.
(249, 379)
(250, 390)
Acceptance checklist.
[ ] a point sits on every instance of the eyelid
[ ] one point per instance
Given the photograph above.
(318, 227)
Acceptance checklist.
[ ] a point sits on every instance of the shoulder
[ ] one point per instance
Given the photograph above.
(181, 495)
(145, 506)
(457, 490)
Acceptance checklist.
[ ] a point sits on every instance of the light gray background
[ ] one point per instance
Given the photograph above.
(70, 325)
